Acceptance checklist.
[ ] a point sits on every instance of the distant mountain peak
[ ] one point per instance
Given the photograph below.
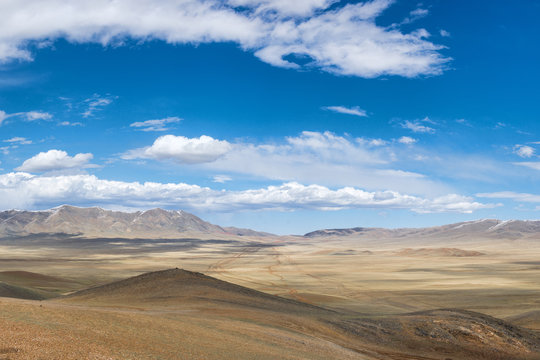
(486, 228)
(98, 222)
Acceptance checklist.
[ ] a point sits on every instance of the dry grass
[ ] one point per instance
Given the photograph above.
(376, 278)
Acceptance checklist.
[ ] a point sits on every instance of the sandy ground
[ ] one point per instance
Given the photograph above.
(33, 330)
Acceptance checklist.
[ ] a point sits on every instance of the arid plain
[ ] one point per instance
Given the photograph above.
(334, 282)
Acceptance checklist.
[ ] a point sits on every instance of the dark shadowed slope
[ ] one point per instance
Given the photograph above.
(19, 292)
(47, 286)
(530, 320)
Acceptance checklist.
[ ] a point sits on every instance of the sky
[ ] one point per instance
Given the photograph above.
(274, 115)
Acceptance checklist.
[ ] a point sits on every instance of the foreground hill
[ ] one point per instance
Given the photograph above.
(177, 287)
(178, 314)
(97, 222)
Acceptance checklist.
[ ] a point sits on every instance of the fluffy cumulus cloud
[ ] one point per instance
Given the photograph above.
(54, 160)
(329, 35)
(182, 149)
(156, 124)
(355, 110)
(48, 191)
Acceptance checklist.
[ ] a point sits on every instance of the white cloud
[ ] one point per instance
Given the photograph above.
(417, 127)
(323, 158)
(221, 179)
(3, 116)
(535, 165)
(284, 7)
(407, 140)
(25, 116)
(48, 191)
(182, 149)
(464, 122)
(36, 115)
(524, 151)
(18, 140)
(96, 103)
(155, 125)
(413, 16)
(54, 160)
(312, 157)
(377, 142)
(355, 110)
(519, 197)
(67, 123)
(444, 33)
(419, 12)
(343, 39)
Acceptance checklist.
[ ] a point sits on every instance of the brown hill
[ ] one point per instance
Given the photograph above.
(159, 309)
(182, 288)
(444, 334)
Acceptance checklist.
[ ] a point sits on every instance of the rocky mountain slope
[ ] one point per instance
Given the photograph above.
(97, 222)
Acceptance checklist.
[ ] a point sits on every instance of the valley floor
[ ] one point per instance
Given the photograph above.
(380, 279)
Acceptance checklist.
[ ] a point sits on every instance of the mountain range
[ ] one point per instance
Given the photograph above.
(97, 222)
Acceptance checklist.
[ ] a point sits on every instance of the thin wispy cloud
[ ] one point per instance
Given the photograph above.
(96, 103)
(155, 125)
(354, 110)
(221, 179)
(417, 126)
(414, 15)
(18, 140)
(535, 165)
(515, 196)
(343, 39)
(67, 123)
(25, 116)
(464, 122)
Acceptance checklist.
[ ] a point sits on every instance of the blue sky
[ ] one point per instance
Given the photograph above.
(275, 115)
